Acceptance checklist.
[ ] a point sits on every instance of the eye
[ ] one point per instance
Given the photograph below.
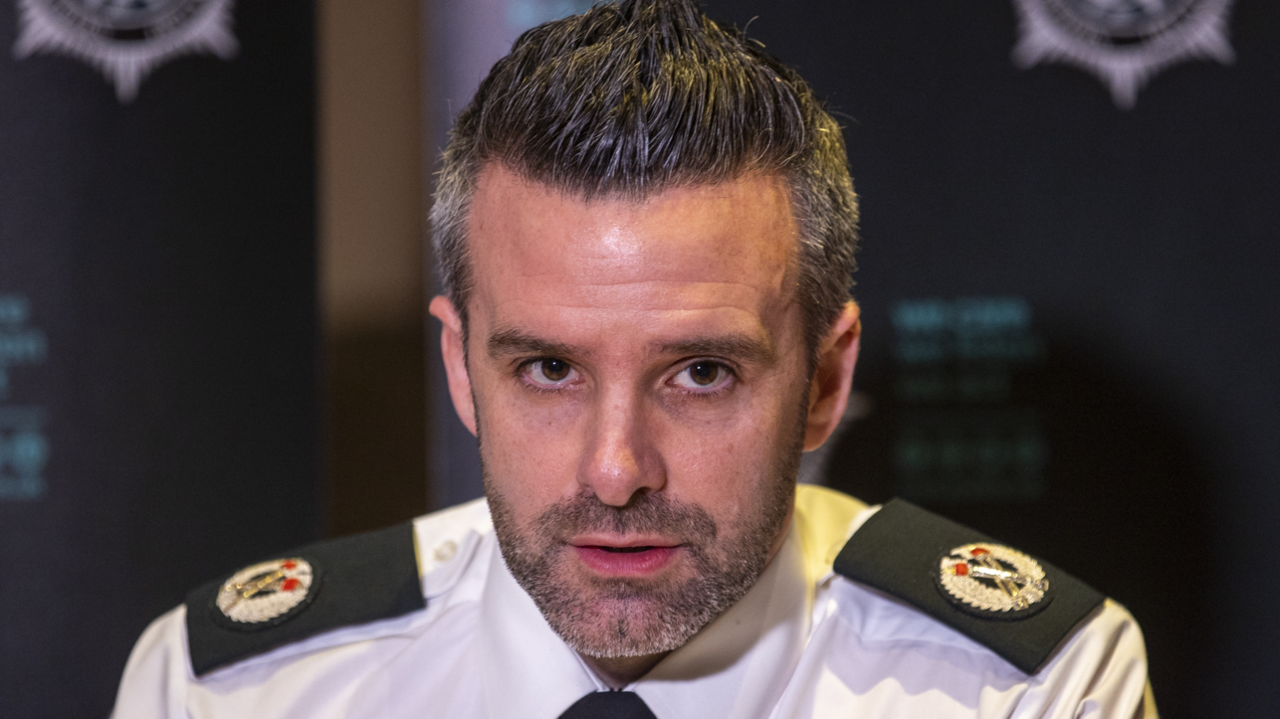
(704, 375)
(549, 372)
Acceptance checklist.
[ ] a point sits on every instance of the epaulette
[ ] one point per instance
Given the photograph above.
(318, 588)
(1017, 606)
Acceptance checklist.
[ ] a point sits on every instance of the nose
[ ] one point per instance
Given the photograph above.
(620, 461)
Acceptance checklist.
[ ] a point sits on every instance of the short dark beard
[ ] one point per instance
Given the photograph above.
(629, 617)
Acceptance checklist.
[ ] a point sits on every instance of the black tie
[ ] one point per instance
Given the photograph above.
(609, 705)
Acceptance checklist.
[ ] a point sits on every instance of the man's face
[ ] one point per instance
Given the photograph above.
(640, 392)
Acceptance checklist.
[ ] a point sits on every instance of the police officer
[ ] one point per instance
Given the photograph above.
(646, 226)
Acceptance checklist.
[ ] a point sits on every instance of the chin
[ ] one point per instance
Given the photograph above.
(618, 628)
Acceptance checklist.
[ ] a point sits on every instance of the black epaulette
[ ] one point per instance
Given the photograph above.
(320, 587)
(1019, 607)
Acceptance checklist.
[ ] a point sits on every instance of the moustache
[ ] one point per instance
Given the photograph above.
(645, 514)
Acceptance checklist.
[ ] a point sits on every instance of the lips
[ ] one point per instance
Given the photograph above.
(626, 558)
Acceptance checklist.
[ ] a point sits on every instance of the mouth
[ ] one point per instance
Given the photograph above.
(625, 558)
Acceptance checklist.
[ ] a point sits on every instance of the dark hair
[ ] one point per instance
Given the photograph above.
(629, 99)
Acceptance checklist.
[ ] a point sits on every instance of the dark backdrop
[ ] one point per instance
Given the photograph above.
(1069, 312)
(157, 263)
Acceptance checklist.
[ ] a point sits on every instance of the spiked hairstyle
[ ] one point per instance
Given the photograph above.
(633, 98)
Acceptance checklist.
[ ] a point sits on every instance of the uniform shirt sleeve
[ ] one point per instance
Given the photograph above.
(155, 678)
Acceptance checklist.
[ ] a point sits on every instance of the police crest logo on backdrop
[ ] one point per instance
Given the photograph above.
(125, 39)
(1123, 42)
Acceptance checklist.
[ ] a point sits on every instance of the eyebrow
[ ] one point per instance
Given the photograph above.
(742, 347)
(505, 343)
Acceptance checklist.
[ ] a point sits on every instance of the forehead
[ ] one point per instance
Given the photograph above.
(688, 248)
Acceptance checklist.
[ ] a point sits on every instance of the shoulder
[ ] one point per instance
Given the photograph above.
(330, 585)
(1019, 607)
(1021, 632)
(348, 595)
(301, 593)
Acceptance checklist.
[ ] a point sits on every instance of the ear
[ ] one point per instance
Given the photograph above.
(833, 377)
(455, 360)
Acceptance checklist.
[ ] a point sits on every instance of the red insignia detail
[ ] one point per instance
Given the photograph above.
(962, 569)
(290, 584)
(979, 551)
(289, 565)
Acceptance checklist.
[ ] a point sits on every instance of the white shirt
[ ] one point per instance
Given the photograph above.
(804, 642)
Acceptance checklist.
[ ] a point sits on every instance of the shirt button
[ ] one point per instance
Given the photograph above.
(445, 550)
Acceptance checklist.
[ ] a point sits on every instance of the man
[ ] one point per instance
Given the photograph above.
(645, 227)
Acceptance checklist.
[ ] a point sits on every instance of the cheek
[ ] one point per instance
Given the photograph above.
(725, 464)
(529, 450)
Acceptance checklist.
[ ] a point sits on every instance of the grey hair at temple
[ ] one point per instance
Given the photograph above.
(633, 98)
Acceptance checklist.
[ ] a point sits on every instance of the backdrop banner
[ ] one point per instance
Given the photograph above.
(157, 343)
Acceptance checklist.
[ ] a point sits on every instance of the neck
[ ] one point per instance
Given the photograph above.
(618, 672)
